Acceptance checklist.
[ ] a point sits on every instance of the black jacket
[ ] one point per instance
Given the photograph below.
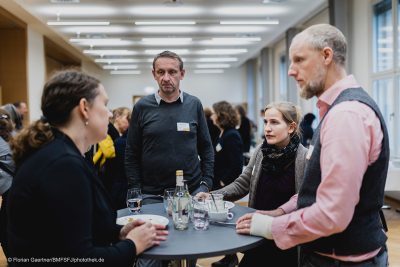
(59, 208)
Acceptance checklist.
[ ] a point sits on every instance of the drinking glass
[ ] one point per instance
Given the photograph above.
(167, 199)
(200, 215)
(134, 199)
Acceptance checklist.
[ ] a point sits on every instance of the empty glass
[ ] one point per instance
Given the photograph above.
(167, 199)
(134, 200)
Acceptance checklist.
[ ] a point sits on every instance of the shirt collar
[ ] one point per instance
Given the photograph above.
(328, 97)
(158, 97)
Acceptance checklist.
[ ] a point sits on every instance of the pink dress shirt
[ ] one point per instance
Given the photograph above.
(351, 138)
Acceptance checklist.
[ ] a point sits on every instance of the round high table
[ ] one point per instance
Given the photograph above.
(218, 240)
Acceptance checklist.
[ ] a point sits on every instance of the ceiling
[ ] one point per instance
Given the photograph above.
(192, 28)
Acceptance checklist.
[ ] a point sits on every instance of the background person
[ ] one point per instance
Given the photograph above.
(306, 129)
(7, 170)
(337, 221)
(22, 109)
(228, 146)
(57, 205)
(273, 175)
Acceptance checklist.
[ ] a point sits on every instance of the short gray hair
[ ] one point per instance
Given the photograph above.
(168, 54)
(325, 35)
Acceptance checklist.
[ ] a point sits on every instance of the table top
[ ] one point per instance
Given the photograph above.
(194, 244)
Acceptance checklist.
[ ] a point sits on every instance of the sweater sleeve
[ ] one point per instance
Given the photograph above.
(133, 150)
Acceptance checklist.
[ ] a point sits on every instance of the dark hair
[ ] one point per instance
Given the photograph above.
(227, 117)
(309, 118)
(61, 94)
(6, 126)
(240, 109)
(18, 104)
(168, 54)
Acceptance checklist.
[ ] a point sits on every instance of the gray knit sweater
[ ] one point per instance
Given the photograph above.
(6, 159)
(247, 182)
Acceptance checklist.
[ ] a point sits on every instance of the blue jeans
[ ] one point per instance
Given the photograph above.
(310, 259)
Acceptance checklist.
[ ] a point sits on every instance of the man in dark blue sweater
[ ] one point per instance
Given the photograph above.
(168, 132)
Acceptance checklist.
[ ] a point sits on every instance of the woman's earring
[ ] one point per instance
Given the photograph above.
(86, 123)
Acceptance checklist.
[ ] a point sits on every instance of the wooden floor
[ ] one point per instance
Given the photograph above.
(393, 220)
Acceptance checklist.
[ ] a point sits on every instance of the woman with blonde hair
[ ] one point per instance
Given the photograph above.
(58, 208)
(274, 174)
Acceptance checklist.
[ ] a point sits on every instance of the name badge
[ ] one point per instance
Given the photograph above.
(218, 148)
(309, 152)
(182, 127)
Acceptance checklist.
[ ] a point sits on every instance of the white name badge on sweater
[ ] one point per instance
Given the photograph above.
(218, 148)
(309, 152)
(182, 127)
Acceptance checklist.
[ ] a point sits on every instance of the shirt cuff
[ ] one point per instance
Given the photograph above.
(261, 225)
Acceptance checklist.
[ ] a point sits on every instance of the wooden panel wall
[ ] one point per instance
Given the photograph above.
(13, 65)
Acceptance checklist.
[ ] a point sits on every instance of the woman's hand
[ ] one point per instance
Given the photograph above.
(146, 235)
(202, 195)
(243, 224)
(273, 213)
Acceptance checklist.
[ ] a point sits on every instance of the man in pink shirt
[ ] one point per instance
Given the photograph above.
(336, 215)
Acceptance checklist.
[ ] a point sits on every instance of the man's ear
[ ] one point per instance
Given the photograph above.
(328, 55)
(182, 73)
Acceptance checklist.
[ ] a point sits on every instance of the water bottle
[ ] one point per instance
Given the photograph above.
(181, 204)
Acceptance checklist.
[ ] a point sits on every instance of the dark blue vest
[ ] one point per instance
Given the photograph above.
(365, 232)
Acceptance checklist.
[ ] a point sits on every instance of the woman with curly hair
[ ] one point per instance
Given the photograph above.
(228, 162)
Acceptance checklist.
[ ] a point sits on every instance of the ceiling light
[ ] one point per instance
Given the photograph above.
(166, 41)
(83, 40)
(77, 11)
(125, 72)
(166, 22)
(235, 29)
(250, 22)
(101, 42)
(209, 71)
(95, 29)
(211, 59)
(164, 11)
(120, 67)
(103, 52)
(78, 23)
(119, 60)
(210, 66)
(231, 41)
(64, 1)
(222, 51)
(248, 11)
(157, 51)
(164, 29)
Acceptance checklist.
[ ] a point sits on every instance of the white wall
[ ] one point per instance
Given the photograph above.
(36, 72)
(209, 88)
(360, 43)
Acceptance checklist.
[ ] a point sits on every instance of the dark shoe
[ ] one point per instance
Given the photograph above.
(227, 261)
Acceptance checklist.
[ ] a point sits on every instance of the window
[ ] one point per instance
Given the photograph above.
(386, 67)
(283, 74)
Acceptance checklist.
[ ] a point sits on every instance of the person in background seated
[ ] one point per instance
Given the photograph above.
(306, 129)
(274, 174)
(57, 207)
(7, 170)
(337, 215)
